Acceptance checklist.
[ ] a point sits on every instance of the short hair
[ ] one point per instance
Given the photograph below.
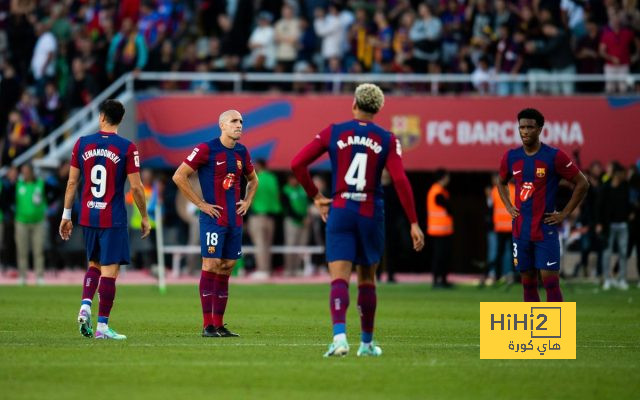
(226, 114)
(532, 113)
(441, 173)
(369, 98)
(113, 111)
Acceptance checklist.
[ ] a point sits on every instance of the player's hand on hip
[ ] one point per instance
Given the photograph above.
(514, 212)
(66, 227)
(322, 204)
(553, 218)
(145, 226)
(242, 207)
(212, 210)
(417, 237)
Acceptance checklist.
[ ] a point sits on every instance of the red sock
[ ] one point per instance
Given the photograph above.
(90, 283)
(552, 286)
(206, 296)
(367, 301)
(530, 286)
(339, 301)
(106, 293)
(220, 297)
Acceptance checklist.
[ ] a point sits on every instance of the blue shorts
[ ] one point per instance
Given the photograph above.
(107, 245)
(220, 241)
(543, 254)
(352, 237)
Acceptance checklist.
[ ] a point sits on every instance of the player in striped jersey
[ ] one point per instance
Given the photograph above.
(359, 150)
(101, 163)
(537, 169)
(221, 163)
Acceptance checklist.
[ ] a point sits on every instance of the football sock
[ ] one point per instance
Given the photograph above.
(339, 302)
(106, 294)
(90, 285)
(530, 289)
(367, 308)
(552, 286)
(220, 296)
(206, 296)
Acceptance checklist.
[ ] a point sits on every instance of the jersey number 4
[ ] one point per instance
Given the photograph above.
(99, 181)
(357, 172)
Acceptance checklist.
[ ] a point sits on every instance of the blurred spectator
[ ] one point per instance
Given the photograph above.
(614, 210)
(361, 37)
(262, 221)
(18, 138)
(588, 60)
(440, 228)
(501, 264)
(509, 60)
(590, 241)
(10, 93)
(21, 36)
(425, 35)
(573, 16)
(44, 55)
(30, 193)
(82, 88)
(56, 184)
(296, 225)
(317, 225)
(287, 36)
(262, 43)
(615, 48)
(482, 77)
(127, 51)
(556, 48)
(383, 43)
(50, 108)
(331, 29)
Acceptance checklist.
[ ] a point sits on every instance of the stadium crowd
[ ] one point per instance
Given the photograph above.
(55, 56)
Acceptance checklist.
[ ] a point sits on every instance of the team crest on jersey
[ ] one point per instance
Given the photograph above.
(515, 262)
(526, 191)
(211, 249)
(407, 130)
(540, 172)
(228, 181)
(239, 165)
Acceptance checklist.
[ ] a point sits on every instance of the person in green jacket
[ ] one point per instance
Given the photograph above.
(262, 222)
(30, 215)
(296, 223)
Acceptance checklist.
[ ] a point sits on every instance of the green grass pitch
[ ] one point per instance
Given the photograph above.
(430, 341)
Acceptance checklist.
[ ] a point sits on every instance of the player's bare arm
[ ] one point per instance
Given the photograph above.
(579, 192)
(66, 226)
(503, 190)
(181, 179)
(137, 189)
(252, 186)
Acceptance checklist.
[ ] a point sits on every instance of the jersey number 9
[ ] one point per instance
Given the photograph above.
(99, 179)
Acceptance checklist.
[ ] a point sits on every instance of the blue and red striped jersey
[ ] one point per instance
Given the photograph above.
(220, 171)
(536, 178)
(104, 159)
(359, 151)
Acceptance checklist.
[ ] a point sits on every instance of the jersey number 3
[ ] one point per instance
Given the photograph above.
(99, 181)
(357, 172)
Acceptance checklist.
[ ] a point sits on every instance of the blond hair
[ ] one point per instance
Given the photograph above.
(369, 98)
